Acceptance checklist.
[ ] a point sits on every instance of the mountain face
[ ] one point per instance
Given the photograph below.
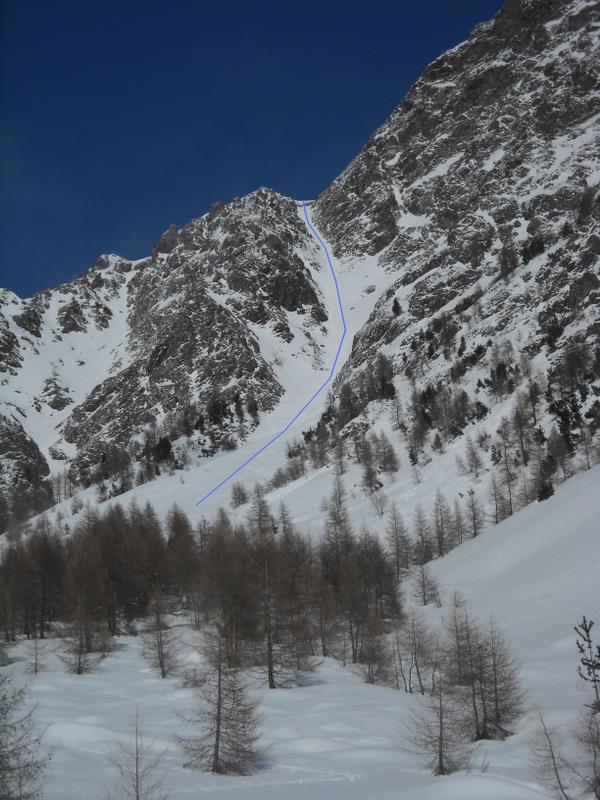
(476, 200)
(93, 363)
(481, 185)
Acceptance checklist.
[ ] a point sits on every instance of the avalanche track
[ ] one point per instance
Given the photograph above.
(315, 394)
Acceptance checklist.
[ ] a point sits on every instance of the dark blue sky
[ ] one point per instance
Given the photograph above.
(119, 118)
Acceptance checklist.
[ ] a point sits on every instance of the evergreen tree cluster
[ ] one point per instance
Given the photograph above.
(470, 685)
(268, 600)
(278, 598)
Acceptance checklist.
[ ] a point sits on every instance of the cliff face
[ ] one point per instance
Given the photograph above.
(477, 198)
(482, 186)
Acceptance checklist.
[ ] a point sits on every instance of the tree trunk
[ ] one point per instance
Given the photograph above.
(216, 767)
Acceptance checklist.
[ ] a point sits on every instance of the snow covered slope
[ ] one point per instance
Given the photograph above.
(336, 737)
(537, 574)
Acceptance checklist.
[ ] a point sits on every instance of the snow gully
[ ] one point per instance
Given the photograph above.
(313, 397)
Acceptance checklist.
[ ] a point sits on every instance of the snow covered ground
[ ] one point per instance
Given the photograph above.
(338, 738)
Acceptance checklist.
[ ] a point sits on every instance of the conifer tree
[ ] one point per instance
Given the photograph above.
(474, 464)
(481, 666)
(501, 682)
(369, 476)
(389, 458)
(294, 627)
(589, 661)
(137, 764)
(504, 432)
(22, 758)
(438, 731)
(549, 762)
(374, 655)
(457, 524)
(263, 531)
(398, 541)
(578, 771)
(414, 653)
(159, 643)
(227, 719)
(239, 495)
(423, 550)
(475, 517)
(427, 589)
(441, 522)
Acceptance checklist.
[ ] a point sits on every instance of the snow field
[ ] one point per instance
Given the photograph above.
(337, 738)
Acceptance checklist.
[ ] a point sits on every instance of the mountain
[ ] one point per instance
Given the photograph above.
(203, 320)
(480, 188)
(465, 238)
(352, 438)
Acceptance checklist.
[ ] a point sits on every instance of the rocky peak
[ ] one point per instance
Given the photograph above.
(516, 82)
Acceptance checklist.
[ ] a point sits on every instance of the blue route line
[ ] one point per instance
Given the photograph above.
(318, 391)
